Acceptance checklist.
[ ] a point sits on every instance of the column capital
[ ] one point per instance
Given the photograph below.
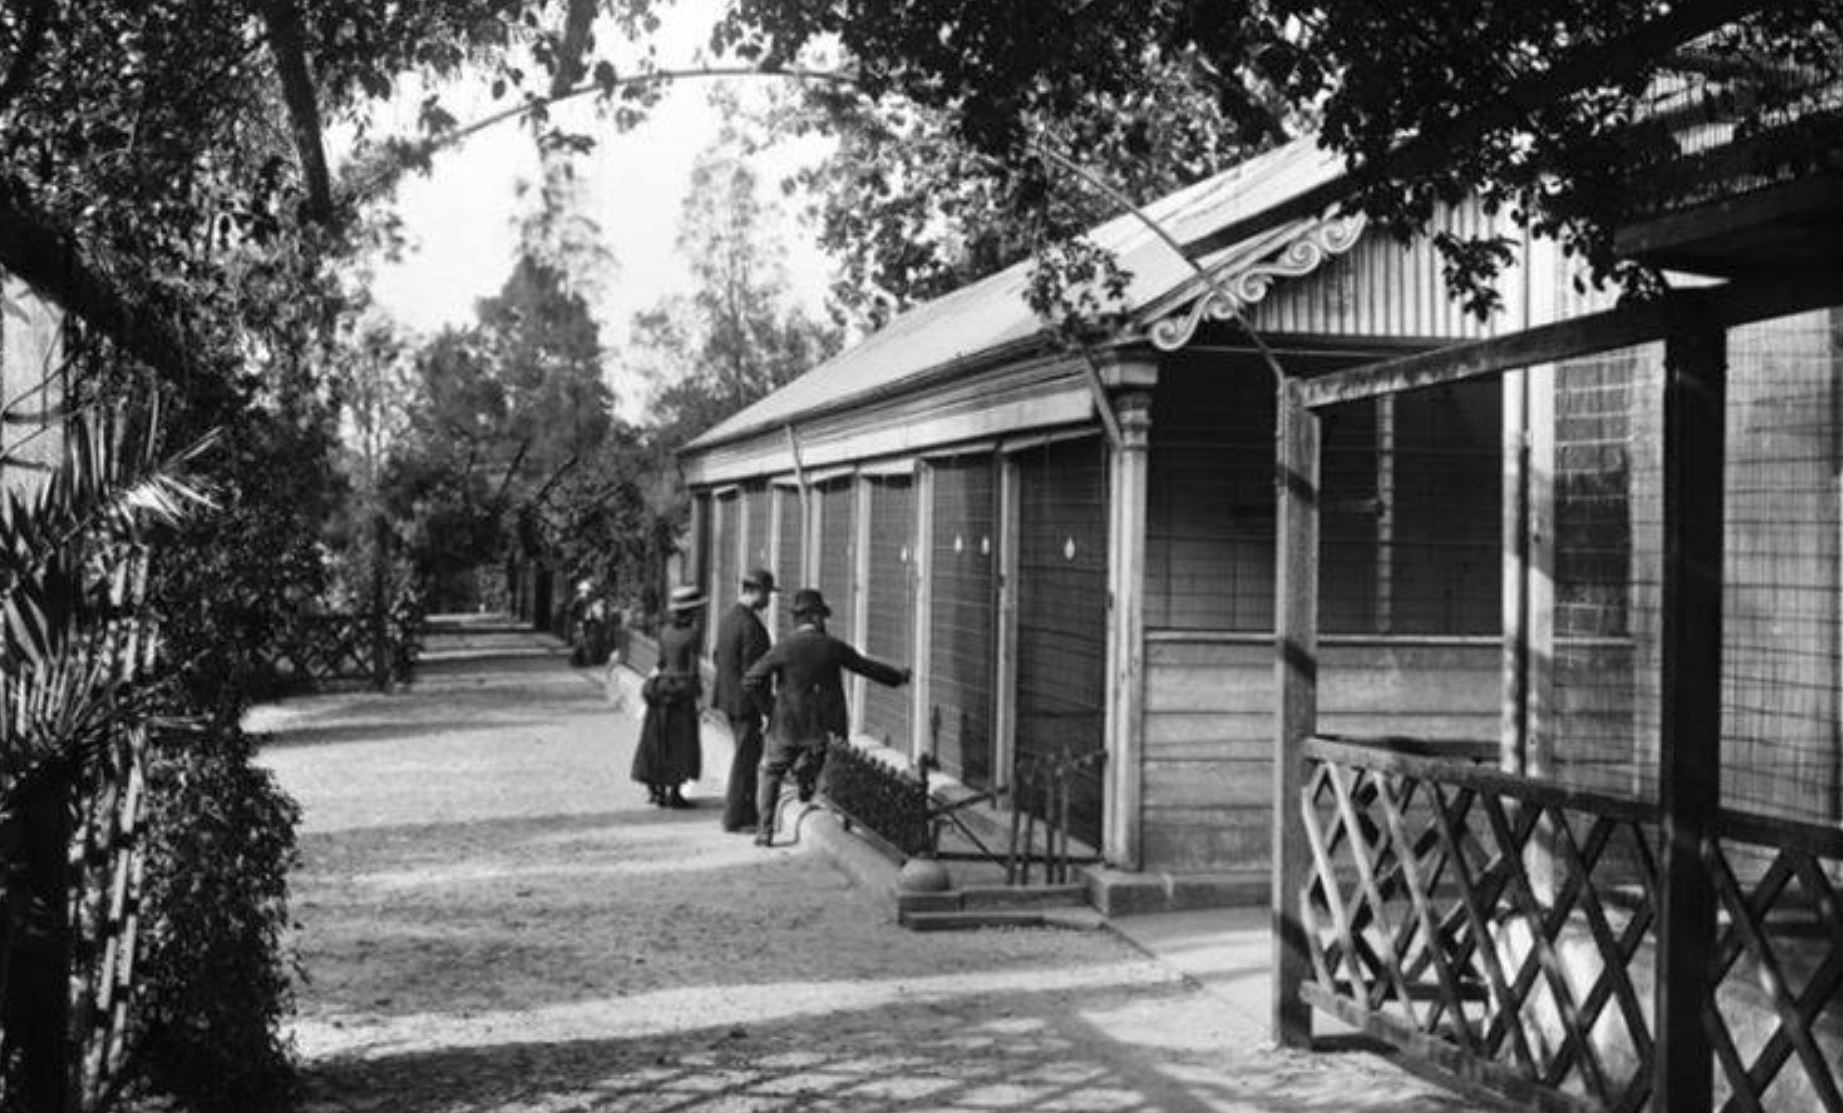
(1133, 409)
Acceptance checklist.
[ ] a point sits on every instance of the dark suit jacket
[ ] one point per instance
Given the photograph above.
(806, 671)
(741, 640)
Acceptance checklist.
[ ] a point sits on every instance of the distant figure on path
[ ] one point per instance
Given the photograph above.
(741, 641)
(805, 670)
(579, 625)
(670, 751)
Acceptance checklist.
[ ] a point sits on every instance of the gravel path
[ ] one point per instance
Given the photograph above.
(493, 919)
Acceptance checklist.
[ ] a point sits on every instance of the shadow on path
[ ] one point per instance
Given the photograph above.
(1022, 1053)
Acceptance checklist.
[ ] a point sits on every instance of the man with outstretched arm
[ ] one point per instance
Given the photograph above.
(804, 674)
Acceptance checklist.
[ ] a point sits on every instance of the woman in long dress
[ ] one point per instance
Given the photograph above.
(670, 751)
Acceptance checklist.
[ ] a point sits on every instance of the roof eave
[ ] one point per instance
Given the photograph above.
(1036, 344)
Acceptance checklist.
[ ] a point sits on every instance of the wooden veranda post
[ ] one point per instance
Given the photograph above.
(1296, 668)
(1127, 659)
(1695, 396)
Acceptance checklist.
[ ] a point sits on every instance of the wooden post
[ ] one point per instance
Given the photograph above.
(380, 604)
(1125, 771)
(921, 734)
(1004, 688)
(1513, 730)
(862, 495)
(1695, 367)
(1296, 669)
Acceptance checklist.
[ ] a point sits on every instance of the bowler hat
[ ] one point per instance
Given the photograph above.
(685, 598)
(808, 601)
(760, 578)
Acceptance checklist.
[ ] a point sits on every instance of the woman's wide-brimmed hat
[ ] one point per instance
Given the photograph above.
(685, 599)
(808, 601)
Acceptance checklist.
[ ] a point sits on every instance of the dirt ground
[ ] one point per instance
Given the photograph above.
(492, 918)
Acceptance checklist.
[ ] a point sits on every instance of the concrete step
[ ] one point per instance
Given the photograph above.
(1023, 896)
(994, 898)
(1068, 919)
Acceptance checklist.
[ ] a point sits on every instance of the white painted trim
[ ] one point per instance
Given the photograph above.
(1544, 715)
(949, 427)
(1513, 719)
(860, 591)
(776, 513)
(902, 466)
(921, 738)
(1123, 796)
(813, 511)
(1004, 685)
(1041, 440)
(817, 476)
(955, 451)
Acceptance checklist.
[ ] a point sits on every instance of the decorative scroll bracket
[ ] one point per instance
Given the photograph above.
(1238, 289)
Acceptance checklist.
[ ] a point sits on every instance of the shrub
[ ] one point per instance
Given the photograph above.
(215, 971)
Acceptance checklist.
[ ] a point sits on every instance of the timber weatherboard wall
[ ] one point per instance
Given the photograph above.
(1209, 726)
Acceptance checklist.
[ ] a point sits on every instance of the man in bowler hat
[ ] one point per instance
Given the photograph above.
(741, 640)
(804, 673)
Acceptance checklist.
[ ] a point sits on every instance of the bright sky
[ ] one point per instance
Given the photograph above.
(460, 219)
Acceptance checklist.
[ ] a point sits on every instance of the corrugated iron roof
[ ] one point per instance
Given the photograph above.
(991, 314)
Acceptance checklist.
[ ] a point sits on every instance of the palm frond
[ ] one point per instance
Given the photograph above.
(74, 641)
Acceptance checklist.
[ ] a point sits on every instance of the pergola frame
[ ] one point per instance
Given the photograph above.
(1680, 1053)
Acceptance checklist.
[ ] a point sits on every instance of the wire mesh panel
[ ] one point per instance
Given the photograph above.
(790, 552)
(1412, 504)
(1062, 619)
(889, 597)
(758, 528)
(1210, 500)
(1595, 684)
(1423, 873)
(837, 545)
(1781, 604)
(963, 631)
(725, 551)
(1779, 856)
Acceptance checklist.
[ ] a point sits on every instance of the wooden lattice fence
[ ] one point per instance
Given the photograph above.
(333, 648)
(1509, 930)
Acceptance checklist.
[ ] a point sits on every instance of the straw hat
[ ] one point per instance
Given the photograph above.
(685, 598)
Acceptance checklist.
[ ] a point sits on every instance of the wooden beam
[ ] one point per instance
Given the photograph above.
(46, 258)
(1689, 775)
(1431, 151)
(1578, 336)
(1739, 302)
(1675, 235)
(1296, 675)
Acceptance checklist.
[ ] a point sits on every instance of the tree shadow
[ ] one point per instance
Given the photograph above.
(1049, 1052)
